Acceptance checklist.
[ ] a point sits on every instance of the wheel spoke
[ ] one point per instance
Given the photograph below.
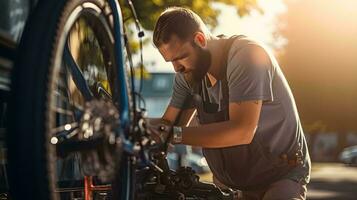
(67, 100)
(64, 136)
(66, 127)
(63, 111)
(61, 97)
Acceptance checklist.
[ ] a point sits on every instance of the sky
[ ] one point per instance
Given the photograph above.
(260, 27)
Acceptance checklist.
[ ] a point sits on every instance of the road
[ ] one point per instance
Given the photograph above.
(332, 181)
(329, 181)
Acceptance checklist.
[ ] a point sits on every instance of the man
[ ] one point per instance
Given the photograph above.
(249, 128)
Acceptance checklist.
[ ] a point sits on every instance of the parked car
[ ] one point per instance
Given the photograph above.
(349, 155)
(157, 90)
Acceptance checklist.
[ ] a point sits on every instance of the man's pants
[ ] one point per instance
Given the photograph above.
(284, 189)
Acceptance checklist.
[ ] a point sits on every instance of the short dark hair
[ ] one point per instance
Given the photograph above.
(180, 21)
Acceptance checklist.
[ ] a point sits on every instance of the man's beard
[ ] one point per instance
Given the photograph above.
(200, 68)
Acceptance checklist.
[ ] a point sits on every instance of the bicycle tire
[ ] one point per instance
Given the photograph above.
(31, 156)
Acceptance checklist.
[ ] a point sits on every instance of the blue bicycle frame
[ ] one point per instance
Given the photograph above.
(122, 102)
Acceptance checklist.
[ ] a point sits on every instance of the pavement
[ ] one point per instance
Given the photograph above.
(332, 181)
(329, 181)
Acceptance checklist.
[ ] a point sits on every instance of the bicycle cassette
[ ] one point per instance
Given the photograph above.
(100, 127)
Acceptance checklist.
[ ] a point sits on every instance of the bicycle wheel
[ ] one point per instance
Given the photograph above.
(64, 117)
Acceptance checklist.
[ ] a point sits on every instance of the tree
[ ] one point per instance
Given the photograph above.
(149, 10)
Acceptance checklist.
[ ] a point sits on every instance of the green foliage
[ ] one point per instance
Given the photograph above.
(149, 10)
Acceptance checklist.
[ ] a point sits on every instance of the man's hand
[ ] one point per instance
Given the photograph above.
(158, 129)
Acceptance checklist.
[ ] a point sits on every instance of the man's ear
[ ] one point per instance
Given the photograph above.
(200, 39)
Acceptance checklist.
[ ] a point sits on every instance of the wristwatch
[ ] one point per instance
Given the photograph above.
(177, 134)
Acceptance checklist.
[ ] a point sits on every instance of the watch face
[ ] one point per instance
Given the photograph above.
(177, 130)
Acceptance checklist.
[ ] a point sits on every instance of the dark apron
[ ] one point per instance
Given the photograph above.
(243, 167)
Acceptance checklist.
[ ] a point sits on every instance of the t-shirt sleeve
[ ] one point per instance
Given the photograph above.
(181, 95)
(249, 74)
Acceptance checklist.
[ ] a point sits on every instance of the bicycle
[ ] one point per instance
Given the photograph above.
(73, 102)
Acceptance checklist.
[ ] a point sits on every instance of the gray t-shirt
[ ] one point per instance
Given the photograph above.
(250, 78)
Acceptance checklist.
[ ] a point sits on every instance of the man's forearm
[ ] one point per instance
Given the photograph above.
(216, 135)
(177, 116)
